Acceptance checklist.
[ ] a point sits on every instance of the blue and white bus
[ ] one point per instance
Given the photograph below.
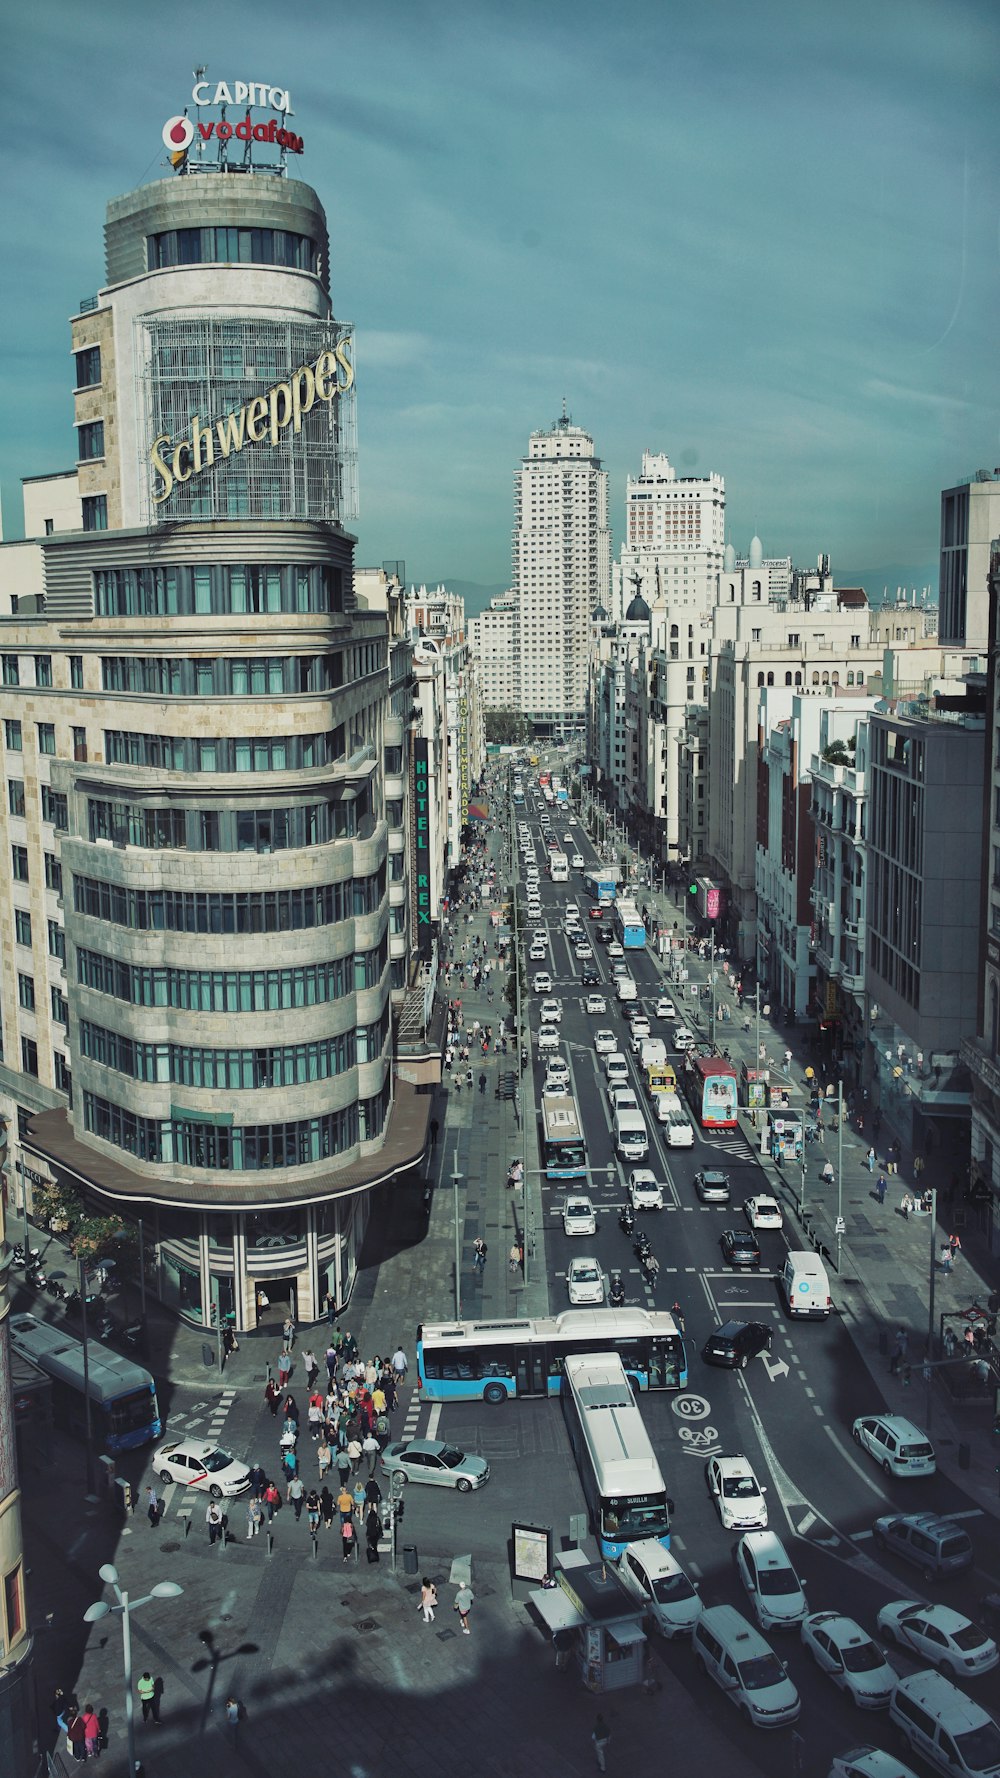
(124, 1411)
(629, 925)
(564, 1152)
(626, 1493)
(497, 1361)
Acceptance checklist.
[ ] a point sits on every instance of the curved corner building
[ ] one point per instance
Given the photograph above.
(206, 840)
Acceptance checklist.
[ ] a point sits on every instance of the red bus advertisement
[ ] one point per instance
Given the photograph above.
(710, 1084)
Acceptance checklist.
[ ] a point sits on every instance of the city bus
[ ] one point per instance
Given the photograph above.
(559, 867)
(710, 1084)
(625, 1490)
(564, 1152)
(123, 1408)
(629, 925)
(495, 1361)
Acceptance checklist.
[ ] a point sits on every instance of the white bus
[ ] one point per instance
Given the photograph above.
(559, 867)
(626, 1493)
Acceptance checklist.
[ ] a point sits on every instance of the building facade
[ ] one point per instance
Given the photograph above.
(981, 1052)
(492, 637)
(562, 570)
(196, 983)
(970, 520)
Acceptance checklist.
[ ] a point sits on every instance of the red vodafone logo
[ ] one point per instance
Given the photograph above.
(178, 133)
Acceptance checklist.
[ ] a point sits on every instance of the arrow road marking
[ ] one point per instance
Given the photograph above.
(775, 1367)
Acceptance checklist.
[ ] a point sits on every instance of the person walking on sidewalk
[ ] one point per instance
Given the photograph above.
(295, 1494)
(881, 1187)
(901, 1346)
(284, 1367)
(463, 1605)
(148, 1697)
(600, 1735)
(152, 1507)
(428, 1599)
(870, 1159)
(255, 1516)
(288, 1331)
(272, 1396)
(214, 1521)
(91, 1732)
(479, 1257)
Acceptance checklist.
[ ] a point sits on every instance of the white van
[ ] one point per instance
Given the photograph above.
(805, 1285)
(625, 988)
(952, 1731)
(679, 1129)
(653, 1053)
(631, 1135)
(736, 1656)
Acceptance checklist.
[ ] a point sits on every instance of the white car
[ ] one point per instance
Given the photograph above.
(579, 1217)
(639, 1035)
(551, 1012)
(595, 1003)
(541, 982)
(625, 988)
(683, 1038)
(556, 1076)
(738, 1495)
(198, 1464)
(869, 1762)
(898, 1447)
(623, 1099)
(763, 1212)
(538, 953)
(847, 1654)
(585, 1281)
(582, 951)
(644, 1190)
(615, 949)
(548, 1038)
(605, 1042)
(577, 861)
(946, 1638)
(665, 1009)
(616, 1069)
(775, 1590)
(656, 1577)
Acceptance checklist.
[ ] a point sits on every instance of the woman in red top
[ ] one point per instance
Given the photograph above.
(91, 1731)
(271, 1396)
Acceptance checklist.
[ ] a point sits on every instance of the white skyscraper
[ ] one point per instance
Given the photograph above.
(674, 535)
(562, 570)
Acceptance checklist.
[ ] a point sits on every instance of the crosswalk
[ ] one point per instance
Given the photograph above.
(204, 1419)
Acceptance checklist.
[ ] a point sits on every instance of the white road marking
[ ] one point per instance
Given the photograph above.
(435, 1420)
(848, 1458)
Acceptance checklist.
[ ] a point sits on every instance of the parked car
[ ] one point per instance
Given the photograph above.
(937, 1546)
(899, 1447)
(775, 1590)
(847, 1655)
(656, 1577)
(432, 1460)
(733, 1344)
(948, 1639)
(738, 1496)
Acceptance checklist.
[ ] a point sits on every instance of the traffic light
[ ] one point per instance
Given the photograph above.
(692, 888)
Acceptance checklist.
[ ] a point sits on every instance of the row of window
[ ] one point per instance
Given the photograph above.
(224, 753)
(10, 670)
(53, 869)
(262, 676)
(276, 910)
(187, 1143)
(826, 678)
(232, 990)
(231, 246)
(218, 589)
(53, 802)
(236, 1070)
(230, 830)
(56, 935)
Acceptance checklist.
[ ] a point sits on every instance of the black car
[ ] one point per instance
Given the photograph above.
(605, 934)
(590, 977)
(740, 1247)
(634, 1009)
(734, 1344)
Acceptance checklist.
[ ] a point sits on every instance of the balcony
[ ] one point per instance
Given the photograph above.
(982, 1065)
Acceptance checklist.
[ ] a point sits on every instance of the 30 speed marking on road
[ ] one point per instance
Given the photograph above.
(691, 1407)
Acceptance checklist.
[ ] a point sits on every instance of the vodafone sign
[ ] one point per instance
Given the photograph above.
(179, 132)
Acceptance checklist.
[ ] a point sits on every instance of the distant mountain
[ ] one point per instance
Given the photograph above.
(891, 575)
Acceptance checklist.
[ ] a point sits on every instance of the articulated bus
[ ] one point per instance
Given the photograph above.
(123, 1408)
(629, 925)
(625, 1490)
(710, 1084)
(497, 1360)
(564, 1152)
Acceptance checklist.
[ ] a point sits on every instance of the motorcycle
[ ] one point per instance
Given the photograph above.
(56, 1289)
(642, 1247)
(626, 1219)
(18, 1253)
(35, 1276)
(616, 1291)
(650, 1268)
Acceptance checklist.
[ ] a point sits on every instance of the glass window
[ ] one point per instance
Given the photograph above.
(43, 669)
(15, 795)
(26, 992)
(53, 873)
(12, 734)
(46, 737)
(90, 441)
(19, 863)
(11, 670)
(57, 941)
(95, 512)
(76, 671)
(29, 1055)
(88, 367)
(22, 926)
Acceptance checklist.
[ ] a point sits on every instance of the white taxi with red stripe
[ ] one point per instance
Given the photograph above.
(201, 1465)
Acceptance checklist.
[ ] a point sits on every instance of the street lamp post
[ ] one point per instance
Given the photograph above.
(88, 1431)
(455, 1177)
(840, 1169)
(164, 1589)
(933, 1275)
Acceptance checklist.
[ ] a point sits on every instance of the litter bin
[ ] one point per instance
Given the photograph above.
(411, 1562)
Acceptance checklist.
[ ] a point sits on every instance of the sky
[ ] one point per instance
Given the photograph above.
(762, 239)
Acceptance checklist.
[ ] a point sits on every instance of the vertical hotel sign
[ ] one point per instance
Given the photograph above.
(422, 846)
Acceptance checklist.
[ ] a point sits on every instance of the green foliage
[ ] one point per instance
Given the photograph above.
(505, 728)
(63, 1210)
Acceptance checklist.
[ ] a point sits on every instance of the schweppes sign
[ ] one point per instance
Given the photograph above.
(260, 421)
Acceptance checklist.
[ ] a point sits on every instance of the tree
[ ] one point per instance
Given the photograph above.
(505, 727)
(59, 1208)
